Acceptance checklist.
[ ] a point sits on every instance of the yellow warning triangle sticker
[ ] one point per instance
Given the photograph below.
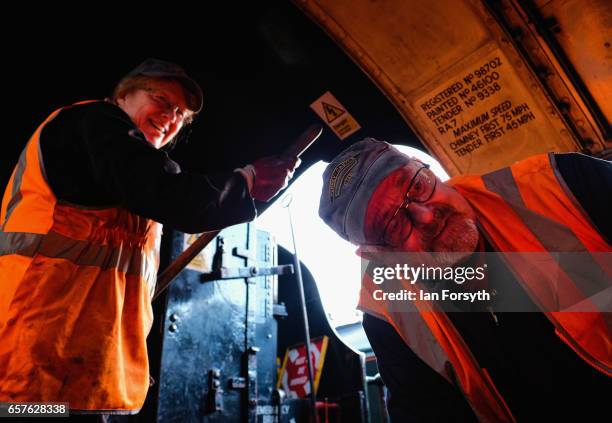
(331, 112)
(335, 115)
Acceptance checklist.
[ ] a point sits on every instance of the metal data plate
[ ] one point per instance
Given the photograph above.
(483, 113)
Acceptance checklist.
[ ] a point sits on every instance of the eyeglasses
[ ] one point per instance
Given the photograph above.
(420, 189)
(182, 115)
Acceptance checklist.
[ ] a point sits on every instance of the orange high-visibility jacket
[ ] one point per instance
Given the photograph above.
(75, 296)
(522, 208)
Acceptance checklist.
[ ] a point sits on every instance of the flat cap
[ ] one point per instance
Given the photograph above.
(162, 69)
(349, 181)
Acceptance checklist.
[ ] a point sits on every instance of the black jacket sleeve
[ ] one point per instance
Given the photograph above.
(590, 180)
(94, 156)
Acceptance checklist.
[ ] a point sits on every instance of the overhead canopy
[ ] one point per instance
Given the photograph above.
(483, 86)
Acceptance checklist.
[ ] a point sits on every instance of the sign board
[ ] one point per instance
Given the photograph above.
(335, 115)
(483, 113)
(199, 262)
(293, 376)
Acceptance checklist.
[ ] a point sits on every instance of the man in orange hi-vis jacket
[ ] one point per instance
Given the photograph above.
(80, 226)
(547, 218)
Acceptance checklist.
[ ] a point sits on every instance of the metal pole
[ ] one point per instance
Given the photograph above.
(298, 274)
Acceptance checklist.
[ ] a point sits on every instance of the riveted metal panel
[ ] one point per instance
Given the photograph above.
(459, 76)
(583, 30)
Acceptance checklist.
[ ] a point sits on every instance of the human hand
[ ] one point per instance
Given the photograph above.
(272, 174)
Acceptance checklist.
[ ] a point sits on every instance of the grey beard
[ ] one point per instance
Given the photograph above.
(460, 241)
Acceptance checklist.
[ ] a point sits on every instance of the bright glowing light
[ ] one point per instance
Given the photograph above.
(331, 260)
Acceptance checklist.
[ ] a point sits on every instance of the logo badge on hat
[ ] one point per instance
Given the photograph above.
(341, 175)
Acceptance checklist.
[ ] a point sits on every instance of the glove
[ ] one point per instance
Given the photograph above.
(272, 174)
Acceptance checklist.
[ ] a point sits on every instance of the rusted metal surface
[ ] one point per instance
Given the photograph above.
(583, 31)
(574, 78)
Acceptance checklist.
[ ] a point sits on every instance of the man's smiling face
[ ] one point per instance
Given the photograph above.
(159, 110)
(443, 223)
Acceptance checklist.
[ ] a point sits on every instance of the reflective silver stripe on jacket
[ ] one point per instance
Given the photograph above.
(554, 236)
(128, 260)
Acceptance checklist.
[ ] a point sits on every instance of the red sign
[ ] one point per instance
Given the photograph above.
(293, 377)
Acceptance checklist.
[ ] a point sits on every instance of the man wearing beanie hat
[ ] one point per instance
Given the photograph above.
(482, 366)
(80, 228)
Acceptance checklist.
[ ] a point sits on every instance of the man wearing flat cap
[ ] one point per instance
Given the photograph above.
(539, 363)
(80, 227)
